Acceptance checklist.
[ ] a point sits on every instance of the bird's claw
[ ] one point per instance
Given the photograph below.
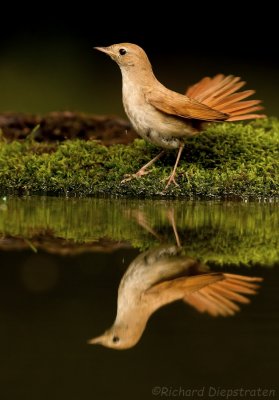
(171, 179)
(129, 177)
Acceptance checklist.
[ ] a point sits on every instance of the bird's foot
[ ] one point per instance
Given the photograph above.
(129, 177)
(171, 179)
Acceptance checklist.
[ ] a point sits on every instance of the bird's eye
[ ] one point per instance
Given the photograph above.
(122, 52)
(115, 339)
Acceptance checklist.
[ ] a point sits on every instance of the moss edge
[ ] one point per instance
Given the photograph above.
(227, 160)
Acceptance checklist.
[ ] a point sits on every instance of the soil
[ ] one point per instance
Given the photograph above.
(60, 126)
(45, 241)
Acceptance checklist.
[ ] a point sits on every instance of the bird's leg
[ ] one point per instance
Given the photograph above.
(144, 223)
(171, 219)
(143, 171)
(171, 177)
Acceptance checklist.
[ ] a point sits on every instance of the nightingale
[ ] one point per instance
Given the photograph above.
(166, 118)
(162, 275)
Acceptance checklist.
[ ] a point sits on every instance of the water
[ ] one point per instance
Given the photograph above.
(61, 264)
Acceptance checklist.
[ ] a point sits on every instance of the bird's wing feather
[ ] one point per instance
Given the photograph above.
(175, 289)
(180, 105)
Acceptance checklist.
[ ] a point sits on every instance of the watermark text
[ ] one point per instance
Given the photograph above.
(213, 392)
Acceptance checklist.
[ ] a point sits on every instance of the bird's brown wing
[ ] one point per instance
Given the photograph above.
(180, 105)
(221, 94)
(214, 293)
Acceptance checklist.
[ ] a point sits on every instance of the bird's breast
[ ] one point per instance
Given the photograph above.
(151, 124)
(136, 108)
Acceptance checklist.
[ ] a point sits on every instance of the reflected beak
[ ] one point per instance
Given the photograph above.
(96, 340)
(106, 50)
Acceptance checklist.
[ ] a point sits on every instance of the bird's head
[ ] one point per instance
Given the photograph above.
(118, 337)
(127, 55)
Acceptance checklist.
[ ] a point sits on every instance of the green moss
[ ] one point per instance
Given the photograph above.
(238, 160)
(220, 233)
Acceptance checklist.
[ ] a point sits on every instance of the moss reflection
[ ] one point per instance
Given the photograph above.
(222, 233)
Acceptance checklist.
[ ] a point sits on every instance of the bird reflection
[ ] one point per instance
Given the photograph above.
(163, 275)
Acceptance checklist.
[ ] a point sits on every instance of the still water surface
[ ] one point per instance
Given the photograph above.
(61, 262)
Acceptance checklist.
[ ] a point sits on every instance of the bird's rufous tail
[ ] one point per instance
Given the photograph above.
(221, 93)
(220, 297)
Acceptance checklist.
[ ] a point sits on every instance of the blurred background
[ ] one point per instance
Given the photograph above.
(47, 62)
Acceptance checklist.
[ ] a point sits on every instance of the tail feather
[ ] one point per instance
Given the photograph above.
(221, 94)
(232, 98)
(219, 297)
(245, 117)
(243, 105)
(245, 110)
(228, 84)
(203, 85)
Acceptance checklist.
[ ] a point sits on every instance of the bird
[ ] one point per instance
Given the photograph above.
(166, 118)
(162, 275)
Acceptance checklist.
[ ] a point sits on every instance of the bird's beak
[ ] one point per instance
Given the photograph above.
(96, 340)
(106, 50)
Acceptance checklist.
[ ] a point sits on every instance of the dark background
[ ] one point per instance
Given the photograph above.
(196, 29)
(47, 62)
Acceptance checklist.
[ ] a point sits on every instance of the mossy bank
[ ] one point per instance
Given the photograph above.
(227, 160)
